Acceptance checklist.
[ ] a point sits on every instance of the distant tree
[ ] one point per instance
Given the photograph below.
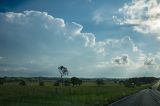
(138, 84)
(66, 83)
(132, 82)
(76, 81)
(22, 82)
(41, 83)
(115, 82)
(121, 82)
(100, 82)
(56, 83)
(129, 84)
(1, 81)
(63, 71)
(80, 82)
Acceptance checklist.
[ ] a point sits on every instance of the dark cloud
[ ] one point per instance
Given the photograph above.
(121, 60)
(149, 61)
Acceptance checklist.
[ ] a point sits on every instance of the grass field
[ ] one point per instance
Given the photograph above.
(88, 94)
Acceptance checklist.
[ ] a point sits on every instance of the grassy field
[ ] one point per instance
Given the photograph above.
(88, 94)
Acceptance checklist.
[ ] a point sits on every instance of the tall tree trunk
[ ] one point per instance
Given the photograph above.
(61, 80)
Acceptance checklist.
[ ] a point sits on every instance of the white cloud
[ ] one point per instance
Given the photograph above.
(143, 15)
(100, 15)
(43, 40)
(90, 39)
(102, 64)
(36, 43)
(97, 17)
(124, 59)
(50, 25)
(123, 45)
(149, 61)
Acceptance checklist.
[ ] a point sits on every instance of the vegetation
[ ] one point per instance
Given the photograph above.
(76, 81)
(99, 82)
(56, 83)
(1, 81)
(67, 83)
(41, 83)
(22, 82)
(88, 94)
(132, 82)
(63, 71)
(159, 88)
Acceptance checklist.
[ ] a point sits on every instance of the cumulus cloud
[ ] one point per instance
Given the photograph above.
(90, 39)
(143, 15)
(152, 59)
(99, 15)
(149, 61)
(124, 59)
(123, 52)
(119, 46)
(39, 38)
(34, 29)
(36, 43)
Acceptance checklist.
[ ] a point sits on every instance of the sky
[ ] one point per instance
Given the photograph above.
(92, 38)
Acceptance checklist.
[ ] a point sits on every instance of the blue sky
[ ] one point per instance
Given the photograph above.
(92, 38)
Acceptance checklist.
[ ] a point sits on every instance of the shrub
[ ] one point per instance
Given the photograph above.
(56, 83)
(66, 83)
(100, 82)
(41, 83)
(80, 82)
(129, 85)
(23, 83)
(1, 82)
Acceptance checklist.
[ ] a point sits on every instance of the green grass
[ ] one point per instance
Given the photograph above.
(88, 94)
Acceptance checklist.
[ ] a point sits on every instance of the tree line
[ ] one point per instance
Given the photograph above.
(75, 81)
(132, 82)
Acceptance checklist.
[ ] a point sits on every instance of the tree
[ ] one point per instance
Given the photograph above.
(80, 82)
(41, 83)
(66, 83)
(2, 81)
(22, 82)
(100, 82)
(63, 71)
(76, 81)
(57, 83)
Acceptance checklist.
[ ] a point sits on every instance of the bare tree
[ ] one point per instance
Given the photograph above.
(63, 71)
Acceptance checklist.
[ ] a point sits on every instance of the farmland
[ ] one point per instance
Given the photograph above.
(87, 94)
